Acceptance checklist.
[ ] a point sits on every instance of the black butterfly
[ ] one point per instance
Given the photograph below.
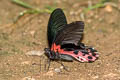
(65, 40)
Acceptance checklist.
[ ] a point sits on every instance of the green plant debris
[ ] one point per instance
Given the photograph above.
(50, 8)
(93, 7)
(4, 36)
(31, 10)
(4, 52)
(98, 5)
(23, 4)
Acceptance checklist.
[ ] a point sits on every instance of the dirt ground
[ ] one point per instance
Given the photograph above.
(102, 30)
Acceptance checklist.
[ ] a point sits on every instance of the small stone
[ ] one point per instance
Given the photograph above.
(25, 62)
(57, 70)
(111, 75)
(89, 21)
(35, 53)
(95, 77)
(96, 16)
(72, 13)
(49, 73)
(32, 33)
(61, 67)
(108, 8)
(40, 21)
(76, 5)
(28, 78)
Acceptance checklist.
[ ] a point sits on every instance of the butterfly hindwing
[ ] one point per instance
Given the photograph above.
(71, 33)
(56, 22)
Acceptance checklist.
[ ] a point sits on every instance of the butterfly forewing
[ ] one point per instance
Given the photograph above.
(71, 33)
(56, 22)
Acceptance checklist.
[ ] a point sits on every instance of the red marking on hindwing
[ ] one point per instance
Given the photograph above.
(56, 48)
(80, 56)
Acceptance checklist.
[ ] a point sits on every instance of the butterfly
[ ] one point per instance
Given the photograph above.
(64, 40)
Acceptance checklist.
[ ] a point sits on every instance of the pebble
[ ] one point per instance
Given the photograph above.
(61, 67)
(32, 33)
(95, 77)
(25, 62)
(28, 78)
(49, 73)
(108, 8)
(35, 53)
(110, 75)
(57, 70)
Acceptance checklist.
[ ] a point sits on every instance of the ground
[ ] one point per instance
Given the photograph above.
(102, 29)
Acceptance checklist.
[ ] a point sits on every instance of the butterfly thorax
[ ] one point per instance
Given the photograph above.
(52, 55)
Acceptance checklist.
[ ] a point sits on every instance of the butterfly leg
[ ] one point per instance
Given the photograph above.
(64, 67)
(47, 62)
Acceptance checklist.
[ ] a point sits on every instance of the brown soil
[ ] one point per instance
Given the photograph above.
(102, 30)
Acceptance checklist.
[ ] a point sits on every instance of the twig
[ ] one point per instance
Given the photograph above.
(23, 4)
